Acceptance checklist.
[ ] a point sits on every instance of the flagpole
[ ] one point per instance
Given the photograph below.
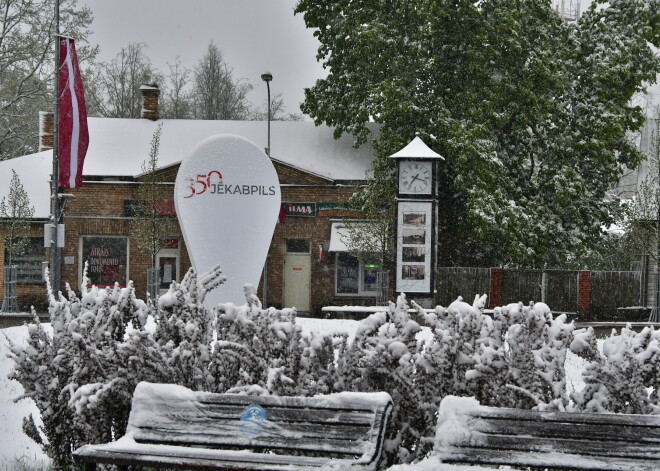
(55, 253)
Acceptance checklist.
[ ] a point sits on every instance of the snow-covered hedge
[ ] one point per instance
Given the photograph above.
(82, 378)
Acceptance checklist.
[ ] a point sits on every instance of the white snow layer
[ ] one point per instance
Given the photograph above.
(118, 147)
(453, 417)
(15, 446)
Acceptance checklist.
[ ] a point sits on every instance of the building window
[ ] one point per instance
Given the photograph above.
(107, 257)
(29, 264)
(298, 246)
(356, 277)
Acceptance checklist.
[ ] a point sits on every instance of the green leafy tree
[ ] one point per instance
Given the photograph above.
(150, 227)
(531, 113)
(15, 215)
(372, 235)
(27, 63)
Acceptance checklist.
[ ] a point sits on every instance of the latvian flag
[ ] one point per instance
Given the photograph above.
(73, 137)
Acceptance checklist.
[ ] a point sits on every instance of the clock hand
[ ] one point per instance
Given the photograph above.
(416, 177)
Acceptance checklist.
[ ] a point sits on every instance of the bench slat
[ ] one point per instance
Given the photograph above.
(289, 431)
(600, 448)
(576, 430)
(375, 399)
(327, 446)
(632, 420)
(179, 457)
(275, 414)
(544, 460)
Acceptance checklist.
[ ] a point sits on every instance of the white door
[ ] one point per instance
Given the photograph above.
(167, 261)
(297, 280)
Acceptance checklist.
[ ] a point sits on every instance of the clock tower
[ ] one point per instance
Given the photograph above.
(416, 214)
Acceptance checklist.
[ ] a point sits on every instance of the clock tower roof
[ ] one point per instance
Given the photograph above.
(416, 149)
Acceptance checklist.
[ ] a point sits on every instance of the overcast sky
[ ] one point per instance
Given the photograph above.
(254, 36)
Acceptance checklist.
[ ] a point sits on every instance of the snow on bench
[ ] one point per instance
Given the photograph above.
(173, 427)
(469, 433)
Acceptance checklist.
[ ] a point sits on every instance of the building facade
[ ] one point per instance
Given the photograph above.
(305, 268)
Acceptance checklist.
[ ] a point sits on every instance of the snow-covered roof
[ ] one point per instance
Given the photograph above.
(417, 149)
(118, 147)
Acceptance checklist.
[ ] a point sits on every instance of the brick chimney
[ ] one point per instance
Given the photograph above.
(150, 94)
(46, 130)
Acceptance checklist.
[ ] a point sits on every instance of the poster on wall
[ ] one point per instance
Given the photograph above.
(414, 246)
(107, 259)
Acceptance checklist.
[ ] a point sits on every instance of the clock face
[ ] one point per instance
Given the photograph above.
(415, 177)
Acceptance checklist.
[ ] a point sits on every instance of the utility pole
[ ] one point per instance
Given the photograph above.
(55, 264)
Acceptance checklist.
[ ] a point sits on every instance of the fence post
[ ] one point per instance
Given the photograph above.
(584, 293)
(9, 302)
(495, 294)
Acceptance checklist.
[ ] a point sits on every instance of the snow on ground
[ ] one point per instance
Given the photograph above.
(17, 451)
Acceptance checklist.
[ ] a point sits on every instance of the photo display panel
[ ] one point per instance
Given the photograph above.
(414, 237)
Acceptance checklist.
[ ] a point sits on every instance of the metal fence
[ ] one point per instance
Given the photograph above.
(383, 283)
(9, 302)
(609, 290)
(461, 281)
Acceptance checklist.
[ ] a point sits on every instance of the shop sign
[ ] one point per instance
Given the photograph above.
(299, 209)
(227, 198)
(333, 207)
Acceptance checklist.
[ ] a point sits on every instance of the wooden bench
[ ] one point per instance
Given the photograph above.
(173, 427)
(472, 434)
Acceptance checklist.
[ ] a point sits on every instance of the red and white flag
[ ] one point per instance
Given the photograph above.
(73, 136)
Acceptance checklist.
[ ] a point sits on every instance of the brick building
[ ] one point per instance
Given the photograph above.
(317, 175)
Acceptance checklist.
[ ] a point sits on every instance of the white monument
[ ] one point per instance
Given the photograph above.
(227, 198)
(416, 209)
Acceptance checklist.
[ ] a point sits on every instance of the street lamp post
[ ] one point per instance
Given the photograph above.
(267, 77)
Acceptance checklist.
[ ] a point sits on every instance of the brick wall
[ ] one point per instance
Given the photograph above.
(98, 209)
(584, 290)
(495, 295)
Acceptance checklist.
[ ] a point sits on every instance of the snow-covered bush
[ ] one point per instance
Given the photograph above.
(513, 359)
(256, 347)
(625, 376)
(80, 378)
(104, 343)
(83, 377)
